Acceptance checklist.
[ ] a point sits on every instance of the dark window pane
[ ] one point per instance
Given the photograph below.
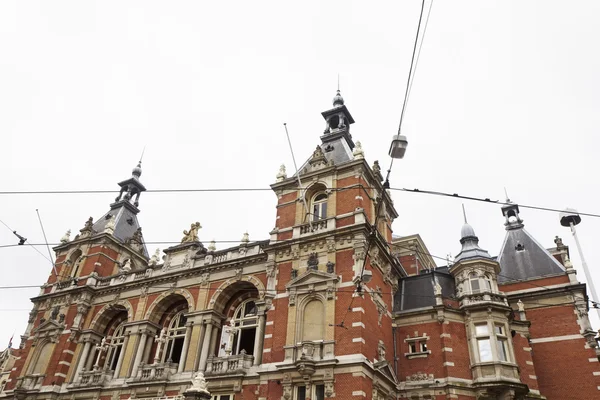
(320, 392)
(301, 393)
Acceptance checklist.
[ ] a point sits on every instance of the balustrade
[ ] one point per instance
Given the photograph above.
(229, 365)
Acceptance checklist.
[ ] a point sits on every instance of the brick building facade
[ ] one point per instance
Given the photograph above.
(330, 306)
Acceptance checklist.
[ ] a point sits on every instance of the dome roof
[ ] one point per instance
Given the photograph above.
(467, 231)
(338, 100)
(137, 171)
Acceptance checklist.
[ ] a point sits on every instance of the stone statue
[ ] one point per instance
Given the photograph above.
(558, 241)
(54, 313)
(126, 266)
(87, 228)
(154, 259)
(110, 225)
(198, 383)
(358, 152)
(376, 168)
(281, 175)
(521, 306)
(437, 289)
(66, 237)
(191, 235)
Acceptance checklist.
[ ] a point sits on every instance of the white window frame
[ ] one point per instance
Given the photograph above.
(116, 341)
(241, 321)
(175, 331)
(319, 207)
(495, 335)
(417, 347)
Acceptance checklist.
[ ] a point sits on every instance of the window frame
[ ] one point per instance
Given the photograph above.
(313, 391)
(319, 206)
(495, 336)
(174, 333)
(116, 341)
(241, 321)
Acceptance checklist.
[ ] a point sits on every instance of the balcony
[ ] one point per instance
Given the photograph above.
(320, 350)
(231, 365)
(155, 372)
(482, 297)
(314, 227)
(30, 382)
(93, 378)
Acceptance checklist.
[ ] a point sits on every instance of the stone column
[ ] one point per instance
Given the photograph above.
(186, 345)
(259, 339)
(201, 345)
(140, 352)
(121, 357)
(205, 346)
(90, 359)
(82, 360)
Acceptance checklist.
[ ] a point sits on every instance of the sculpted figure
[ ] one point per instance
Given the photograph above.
(192, 234)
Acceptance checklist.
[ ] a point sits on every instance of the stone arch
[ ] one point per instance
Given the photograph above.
(232, 287)
(42, 353)
(108, 312)
(165, 301)
(303, 325)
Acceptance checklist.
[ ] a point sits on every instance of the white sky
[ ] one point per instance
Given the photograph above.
(506, 94)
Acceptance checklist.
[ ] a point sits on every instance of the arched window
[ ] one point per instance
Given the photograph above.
(42, 359)
(115, 349)
(175, 338)
(74, 263)
(319, 206)
(240, 334)
(313, 327)
(474, 280)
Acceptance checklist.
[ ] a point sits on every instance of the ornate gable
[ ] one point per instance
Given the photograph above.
(312, 281)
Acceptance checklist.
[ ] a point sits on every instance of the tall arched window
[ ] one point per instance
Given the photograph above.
(241, 332)
(319, 206)
(175, 338)
(487, 282)
(474, 280)
(313, 326)
(73, 264)
(115, 349)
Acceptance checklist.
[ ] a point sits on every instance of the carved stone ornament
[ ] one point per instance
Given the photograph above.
(381, 351)
(54, 313)
(419, 377)
(199, 384)
(109, 227)
(313, 261)
(318, 158)
(154, 259)
(87, 229)
(358, 151)
(66, 237)
(191, 235)
(136, 241)
(281, 175)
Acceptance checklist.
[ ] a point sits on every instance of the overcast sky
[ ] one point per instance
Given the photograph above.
(506, 95)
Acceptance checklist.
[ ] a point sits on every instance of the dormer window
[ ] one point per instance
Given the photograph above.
(319, 206)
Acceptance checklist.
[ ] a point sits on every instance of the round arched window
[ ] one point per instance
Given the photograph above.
(240, 333)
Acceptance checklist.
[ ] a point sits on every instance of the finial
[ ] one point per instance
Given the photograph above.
(212, 246)
(143, 151)
(358, 151)
(464, 213)
(281, 175)
(338, 82)
(506, 195)
(245, 237)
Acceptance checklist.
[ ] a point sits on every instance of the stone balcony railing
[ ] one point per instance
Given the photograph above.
(319, 226)
(319, 350)
(93, 378)
(230, 365)
(155, 372)
(30, 382)
(483, 296)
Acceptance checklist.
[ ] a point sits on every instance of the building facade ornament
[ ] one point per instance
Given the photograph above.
(191, 235)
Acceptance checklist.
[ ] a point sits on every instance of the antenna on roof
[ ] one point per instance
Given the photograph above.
(464, 213)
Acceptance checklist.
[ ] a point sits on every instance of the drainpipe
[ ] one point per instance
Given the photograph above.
(395, 345)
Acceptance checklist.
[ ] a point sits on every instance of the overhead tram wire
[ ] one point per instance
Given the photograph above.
(416, 190)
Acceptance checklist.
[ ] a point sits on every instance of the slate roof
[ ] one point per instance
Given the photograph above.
(126, 222)
(522, 257)
(416, 291)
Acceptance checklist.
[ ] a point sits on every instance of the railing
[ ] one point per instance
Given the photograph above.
(219, 257)
(30, 382)
(314, 226)
(64, 284)
(103, 282)
(482, 297)
(237, 364)
(310, 350)
(155, 372)
(93, 378)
